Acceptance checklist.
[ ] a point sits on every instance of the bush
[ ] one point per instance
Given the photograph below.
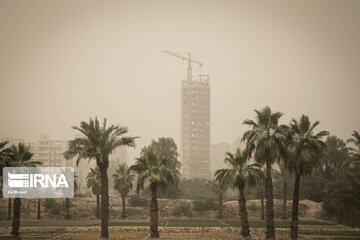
(52, 206)
(136, 201)
(183, 208)
(204, 204)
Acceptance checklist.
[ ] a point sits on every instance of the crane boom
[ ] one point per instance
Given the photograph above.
(185, 58)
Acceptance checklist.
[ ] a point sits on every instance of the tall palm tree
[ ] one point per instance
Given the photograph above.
(123, 178)
(20, 157)
(158, 171)
(219, 189)
(263, 142)
(98, 142)
(238, 175)
(93, 181)
(305, 154)
(4, 162)
(355, 152)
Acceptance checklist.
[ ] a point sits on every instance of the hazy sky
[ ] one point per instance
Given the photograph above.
(62, 62)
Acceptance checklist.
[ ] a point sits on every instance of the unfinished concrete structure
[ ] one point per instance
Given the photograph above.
(195, 122)
(195, 127)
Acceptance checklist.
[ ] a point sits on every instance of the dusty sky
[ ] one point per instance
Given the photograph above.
(64, 61)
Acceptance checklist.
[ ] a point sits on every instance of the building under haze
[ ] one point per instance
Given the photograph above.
(195, 127)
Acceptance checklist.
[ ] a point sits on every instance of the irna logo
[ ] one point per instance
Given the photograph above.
(36, 180)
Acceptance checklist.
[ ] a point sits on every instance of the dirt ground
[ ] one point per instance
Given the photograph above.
(60, 233)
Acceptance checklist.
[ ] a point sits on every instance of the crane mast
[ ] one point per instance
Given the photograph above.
(185, 58)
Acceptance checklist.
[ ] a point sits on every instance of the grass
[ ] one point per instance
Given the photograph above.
(194, 223)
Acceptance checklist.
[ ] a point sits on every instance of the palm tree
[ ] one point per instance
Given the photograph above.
(238, 175)
(283, 176)
(20, 157)
(123, 183)
(263, 142)
(67, 200)
(4, 162)
(158, 170)
(98, 142)
(219, 189)
(305, 154)
(39, 209)
(93, 181)
(355, 152)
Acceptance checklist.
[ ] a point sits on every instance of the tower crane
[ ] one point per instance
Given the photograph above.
(185, 58)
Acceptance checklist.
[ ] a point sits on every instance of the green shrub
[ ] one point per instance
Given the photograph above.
(204, 204)
(52, 206)
(136, 201)
(183, 208)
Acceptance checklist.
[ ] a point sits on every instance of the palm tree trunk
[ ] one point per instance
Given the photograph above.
(262, 208)
(123, 207)
(154, 211)
(9, 208)
(270, 229)
(220, 206)
(67, 205)
(97, 206)
(16, 217)
(245, 231)
(283, 215)
(295, 209)
(104, 202)
(39, 209)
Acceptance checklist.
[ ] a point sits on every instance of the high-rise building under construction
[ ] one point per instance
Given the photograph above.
(195, 127)
(195, 122)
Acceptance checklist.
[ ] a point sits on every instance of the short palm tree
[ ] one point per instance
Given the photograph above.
(157, 170)
(355, 152)
(264, 142)
(20, 157)
(238, 175)
(123, 178)
(93, 181)
(67, 200)
(219, 189)
(98, 142)
(283, 176)
(305, 154)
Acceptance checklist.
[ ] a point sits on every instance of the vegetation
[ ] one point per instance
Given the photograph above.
(219, 189)
(98, 142)
(123, 183)
(20, 156)
(305, 151)
(264, 142)
(93, 181)
(204, 204)
(158, 171)
(52, 206)
(238, 175)
(137, 201)
(182, 208)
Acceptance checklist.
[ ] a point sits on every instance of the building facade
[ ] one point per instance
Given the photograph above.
(195, 127)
